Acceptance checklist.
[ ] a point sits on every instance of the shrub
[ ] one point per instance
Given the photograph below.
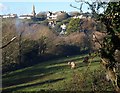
(92, 81)
(73, 25)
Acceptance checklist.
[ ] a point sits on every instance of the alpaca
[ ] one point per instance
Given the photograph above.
(72, 65)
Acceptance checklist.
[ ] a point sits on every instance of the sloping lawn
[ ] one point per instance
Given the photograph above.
(50, 75)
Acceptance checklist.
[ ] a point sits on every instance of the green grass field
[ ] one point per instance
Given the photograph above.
(50, 75)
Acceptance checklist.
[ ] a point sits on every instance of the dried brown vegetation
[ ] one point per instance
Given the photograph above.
(38, 42)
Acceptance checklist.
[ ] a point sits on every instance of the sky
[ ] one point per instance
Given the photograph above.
(20, 7)
(26, 7)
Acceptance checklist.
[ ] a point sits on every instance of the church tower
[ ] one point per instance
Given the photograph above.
(33, 11)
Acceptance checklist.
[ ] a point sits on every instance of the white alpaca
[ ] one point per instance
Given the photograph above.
(72, 65)
(69, 63)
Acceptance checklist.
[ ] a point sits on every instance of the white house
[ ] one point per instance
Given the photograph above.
(51, 15)
(9, 16)
(63, 27)
(25, 16)
(52, 23)
(80, 16)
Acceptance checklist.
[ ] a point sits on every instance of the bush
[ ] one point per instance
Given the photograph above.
(74, 25)
(29, 52)
(92, 81)
(65, 50)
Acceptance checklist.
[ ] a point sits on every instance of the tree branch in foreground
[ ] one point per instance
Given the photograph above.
(8, 43)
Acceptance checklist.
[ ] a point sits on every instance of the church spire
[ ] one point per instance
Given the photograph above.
(33, 11)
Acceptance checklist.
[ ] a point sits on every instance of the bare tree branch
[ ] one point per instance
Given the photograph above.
(77, 7)
(8, 43)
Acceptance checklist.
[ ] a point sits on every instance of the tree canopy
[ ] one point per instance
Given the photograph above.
(73, 25)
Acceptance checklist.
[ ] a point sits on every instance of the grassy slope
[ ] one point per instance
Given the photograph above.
(54, 75)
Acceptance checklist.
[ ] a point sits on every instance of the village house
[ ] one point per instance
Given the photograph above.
(25, 17)
(80, 16)
(51, 17)
(9, 16)
(63, 27)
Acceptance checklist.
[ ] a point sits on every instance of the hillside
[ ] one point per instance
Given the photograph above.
(52, 75)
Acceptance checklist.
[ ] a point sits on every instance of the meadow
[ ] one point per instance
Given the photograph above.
(53, 75)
